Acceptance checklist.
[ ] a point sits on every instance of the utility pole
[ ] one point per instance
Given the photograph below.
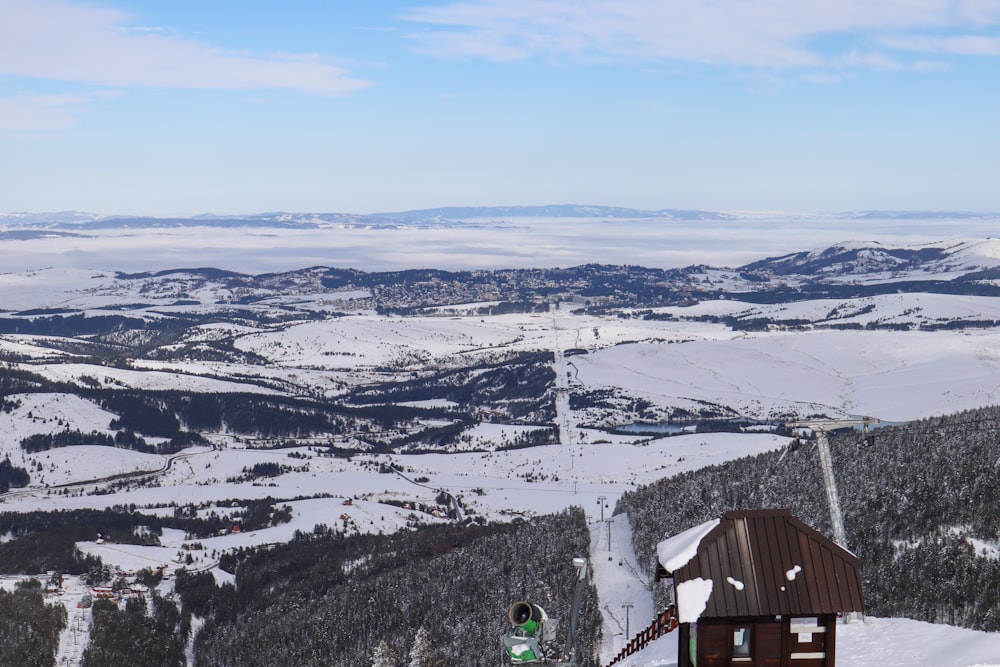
(600, 501)
(628, 633)
(608, 521)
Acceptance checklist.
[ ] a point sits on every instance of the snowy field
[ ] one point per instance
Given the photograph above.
(538, 480)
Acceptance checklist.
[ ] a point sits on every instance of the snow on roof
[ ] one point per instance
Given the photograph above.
(692, 599)
(675, 552)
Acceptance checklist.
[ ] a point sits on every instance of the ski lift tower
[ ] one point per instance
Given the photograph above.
(821, 428)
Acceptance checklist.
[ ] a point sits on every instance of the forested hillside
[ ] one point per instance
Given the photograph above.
(323, 600)
(919, 500)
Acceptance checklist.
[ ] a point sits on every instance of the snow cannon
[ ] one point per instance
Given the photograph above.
(531, 627)
(527, 617)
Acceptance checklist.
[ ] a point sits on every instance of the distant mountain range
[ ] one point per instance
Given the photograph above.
(445, 216)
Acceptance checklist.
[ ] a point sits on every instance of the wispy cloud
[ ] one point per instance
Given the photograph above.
(31, 111)
(772, 34)
(966, 45)
(85, 43)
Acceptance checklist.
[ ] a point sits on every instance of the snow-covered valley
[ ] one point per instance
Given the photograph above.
(507, 413)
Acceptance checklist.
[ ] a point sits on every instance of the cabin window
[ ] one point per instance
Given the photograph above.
(741, 643)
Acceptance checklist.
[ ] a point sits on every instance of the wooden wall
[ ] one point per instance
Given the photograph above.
(784, 642)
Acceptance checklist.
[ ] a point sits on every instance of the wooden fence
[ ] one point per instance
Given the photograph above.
(664, 623)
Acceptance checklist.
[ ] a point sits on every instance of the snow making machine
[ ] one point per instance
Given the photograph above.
(531, 628)
(534, 632)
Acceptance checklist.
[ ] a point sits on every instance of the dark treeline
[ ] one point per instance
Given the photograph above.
(43, 541)
(432, 437)
(741, 323)
(133, 637)
(512, 387)
(818, 290)
(167, 324)
(41, 442)
(326, 600)
(12, 476)
(15, 380)
(181, 416)
(913, 498)
(518, 384)
(29, 628)
(169, 414)
(70, 325)
(534, 438)
(164, 414)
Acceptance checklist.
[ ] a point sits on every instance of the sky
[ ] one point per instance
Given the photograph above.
(185, 107)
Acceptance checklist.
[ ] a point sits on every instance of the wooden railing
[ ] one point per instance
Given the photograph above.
(664, 623)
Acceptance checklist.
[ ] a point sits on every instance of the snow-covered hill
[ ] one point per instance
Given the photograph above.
(315, 335)
(894, 376)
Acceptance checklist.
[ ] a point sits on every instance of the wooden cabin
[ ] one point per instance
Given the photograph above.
(759, 588)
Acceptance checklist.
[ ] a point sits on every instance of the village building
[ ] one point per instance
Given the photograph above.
(758, 588)
(103, 592)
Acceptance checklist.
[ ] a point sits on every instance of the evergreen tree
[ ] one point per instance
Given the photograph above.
(384, 655)
(423, 653)
(393, 585)
(131, 637)
(29, 628)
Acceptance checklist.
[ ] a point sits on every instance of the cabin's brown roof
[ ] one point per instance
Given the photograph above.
(767, 562)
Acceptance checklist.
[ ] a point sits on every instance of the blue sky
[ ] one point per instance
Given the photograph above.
(184, 107)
